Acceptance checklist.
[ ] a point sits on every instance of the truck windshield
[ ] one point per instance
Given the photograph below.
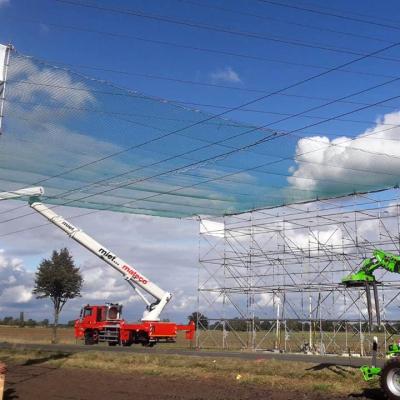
(87, 312)
(113, 313)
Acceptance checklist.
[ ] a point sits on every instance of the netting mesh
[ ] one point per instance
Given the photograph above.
(93, 145)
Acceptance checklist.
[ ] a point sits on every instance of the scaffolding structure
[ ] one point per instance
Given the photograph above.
(270, 279)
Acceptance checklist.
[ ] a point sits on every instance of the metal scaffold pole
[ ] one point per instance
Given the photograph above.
(299, 252)
(4, 65)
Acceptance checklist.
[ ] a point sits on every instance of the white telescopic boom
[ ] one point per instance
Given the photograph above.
(129, 273)
(28, 192)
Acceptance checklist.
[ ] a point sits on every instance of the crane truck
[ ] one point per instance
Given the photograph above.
(390, 372)
(104, 323)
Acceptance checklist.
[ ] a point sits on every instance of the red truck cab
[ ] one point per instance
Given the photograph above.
(99, 323)
(103, 323)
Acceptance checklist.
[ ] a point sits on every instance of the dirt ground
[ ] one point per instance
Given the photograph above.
(37, 381)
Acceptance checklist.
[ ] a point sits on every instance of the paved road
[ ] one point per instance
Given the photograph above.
(315, 359)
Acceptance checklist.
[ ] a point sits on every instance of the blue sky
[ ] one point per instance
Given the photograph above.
(35, 29)
(293, 44)
(89, 40)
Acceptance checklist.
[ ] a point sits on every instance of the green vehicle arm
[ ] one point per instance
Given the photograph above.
(365, 277)
(370, 372)
(365, 274)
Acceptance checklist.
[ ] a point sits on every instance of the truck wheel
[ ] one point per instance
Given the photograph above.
(390, 379)
(148, 344)
(89, 340)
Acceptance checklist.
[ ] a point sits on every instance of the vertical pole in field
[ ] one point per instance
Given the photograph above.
(361, 332)
(4, 63)
(311, 329)
(197, 333)
(278, 324)
(3, 370)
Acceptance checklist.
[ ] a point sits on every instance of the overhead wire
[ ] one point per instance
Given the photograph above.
(221, 29)
(232, 123)
(23, 230)
(190, 47)
(260, 111)
(267, 172)
(264, 172)
(291, 23)
(332, 207)
(271, 137)
(371, 54)
(177, 80)
(129, 93)
(324, 105)
(330, 14)
(189, 81)
(232, 109)
(348, 12)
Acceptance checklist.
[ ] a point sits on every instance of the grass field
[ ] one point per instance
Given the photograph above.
(15, 334)
(274, 374)
(336, 344)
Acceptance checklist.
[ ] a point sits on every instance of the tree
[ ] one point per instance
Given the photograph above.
(58, 279)
(31, 322)
(199, 319)
(8, 321)
(238, 324)
(45, 322)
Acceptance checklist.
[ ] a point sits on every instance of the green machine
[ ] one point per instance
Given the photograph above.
(364, 278)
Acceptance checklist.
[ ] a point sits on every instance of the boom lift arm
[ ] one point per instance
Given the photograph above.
(134, 278)
(27, 192)
(380, 259)
(365, 277)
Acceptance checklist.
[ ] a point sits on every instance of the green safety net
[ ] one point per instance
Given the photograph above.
(91, 144)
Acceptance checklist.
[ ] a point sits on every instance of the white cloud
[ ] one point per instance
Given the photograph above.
(313, 239)
(16, 294)
(226, 74)
(34, 124)
(266, 300)
(55, 81)
(15, 282)
(184, 302)
(343, 164)
(4, 3)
